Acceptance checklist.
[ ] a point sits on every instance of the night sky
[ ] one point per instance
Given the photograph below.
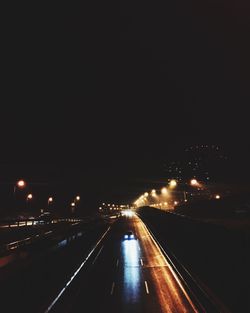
(96, 96)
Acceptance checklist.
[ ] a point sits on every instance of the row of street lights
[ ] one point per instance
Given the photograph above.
(166, 193)
(74, 203)
(21, 184)
(113, 207)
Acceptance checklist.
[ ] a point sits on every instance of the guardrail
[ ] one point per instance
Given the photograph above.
(33, 222)
(7, 247)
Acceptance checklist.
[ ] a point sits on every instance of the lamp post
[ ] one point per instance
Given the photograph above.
(29, 198)
(50, 200)
(20, 184)
(76, 202)
(73, 205)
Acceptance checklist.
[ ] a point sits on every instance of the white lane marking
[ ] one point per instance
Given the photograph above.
(117, 262)
(146, 287)
(76, 272)
(141, 262)
(112, 288)
(97, 255)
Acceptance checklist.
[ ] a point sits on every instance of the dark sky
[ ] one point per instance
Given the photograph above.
(100, 92)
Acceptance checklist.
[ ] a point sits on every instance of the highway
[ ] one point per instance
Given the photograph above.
(32, 274)
(126, 276)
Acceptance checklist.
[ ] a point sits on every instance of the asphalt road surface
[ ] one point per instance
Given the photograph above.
(127, 276)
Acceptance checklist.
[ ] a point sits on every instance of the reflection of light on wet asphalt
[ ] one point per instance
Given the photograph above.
(132, 274)
(62, 243)
(68, 240)
(130, 252)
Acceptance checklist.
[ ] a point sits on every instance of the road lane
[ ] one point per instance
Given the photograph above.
(33, 279)
(130, 276)
(164, 283)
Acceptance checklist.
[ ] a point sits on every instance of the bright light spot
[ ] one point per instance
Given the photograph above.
(217, 197)
(146, 194)
(131, 271)
(30, 196)
(73, 204)
(173, 183)
(128, 213)
(50, 199)
(153, 193)
(194, 182)
(62, 243)
(77, 198)
(21, 183)
(176, 202)
(164, 191)
(131, 253)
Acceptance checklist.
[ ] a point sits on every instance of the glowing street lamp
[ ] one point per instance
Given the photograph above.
(50, 199)
(73, 206)
(29, 197)
(21, 183)
(164, 191)
(173, 183)
(194, 182)
(77, 198)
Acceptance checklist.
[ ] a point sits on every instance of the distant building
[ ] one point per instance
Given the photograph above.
(205, 162)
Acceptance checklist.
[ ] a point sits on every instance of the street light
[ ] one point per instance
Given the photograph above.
(153, 193)
(194, 182)
(78, 198)
(29, 198)
(73, 205)
(50, 200)
(173, 183)
(21, 184)
(164, 191)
